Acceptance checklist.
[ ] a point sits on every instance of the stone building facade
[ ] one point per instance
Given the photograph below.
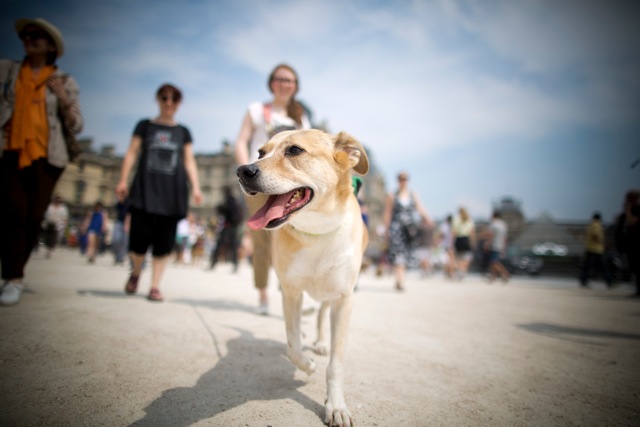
(93, 177)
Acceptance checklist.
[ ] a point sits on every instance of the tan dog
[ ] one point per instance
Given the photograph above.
(318, 239)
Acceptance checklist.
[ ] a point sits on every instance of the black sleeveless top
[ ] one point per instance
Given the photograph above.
(160, 185)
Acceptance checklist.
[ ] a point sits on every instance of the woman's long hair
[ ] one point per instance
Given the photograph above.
(464, 215)
(294, 109)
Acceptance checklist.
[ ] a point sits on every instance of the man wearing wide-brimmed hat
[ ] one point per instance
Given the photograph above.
(37, 104)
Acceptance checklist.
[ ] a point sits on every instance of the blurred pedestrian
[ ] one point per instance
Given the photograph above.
(81, 232)
(197, 250)
(159, 193)
(186, 238)
(594, 249)
(56, 219)
(403, 216)
(446, 243)
(627, 235)
(231, 214)
(438, 256)
(498, 248)
(95, 227)
(38, 101)
(464, 235)
(261, 122)
(120, 241)
(482, 252)
(192, 238)
(182, 239)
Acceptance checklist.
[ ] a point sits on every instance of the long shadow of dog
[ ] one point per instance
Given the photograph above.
(253, 369)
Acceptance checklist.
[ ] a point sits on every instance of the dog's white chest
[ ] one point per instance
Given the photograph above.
(324, 271)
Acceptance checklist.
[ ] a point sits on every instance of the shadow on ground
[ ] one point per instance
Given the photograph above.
(573, 334)
(107, 294)
(244, 374)
(219, 304)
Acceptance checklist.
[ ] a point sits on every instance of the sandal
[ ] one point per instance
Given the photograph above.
(132, 285)
(155, 295)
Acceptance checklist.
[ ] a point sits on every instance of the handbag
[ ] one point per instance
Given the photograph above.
(411, 231)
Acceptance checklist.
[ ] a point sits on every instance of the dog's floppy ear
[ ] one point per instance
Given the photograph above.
(349, 150)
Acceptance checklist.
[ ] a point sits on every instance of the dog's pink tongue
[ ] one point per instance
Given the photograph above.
(273, 209)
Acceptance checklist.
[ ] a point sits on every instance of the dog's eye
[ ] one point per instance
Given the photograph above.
(260, 153)
(294, 150)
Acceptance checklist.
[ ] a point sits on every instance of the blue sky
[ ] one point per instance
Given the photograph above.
(537, 100)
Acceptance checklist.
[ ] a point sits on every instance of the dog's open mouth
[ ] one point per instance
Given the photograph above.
(278, 208)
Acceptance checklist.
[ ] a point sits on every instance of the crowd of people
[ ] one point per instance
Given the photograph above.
(41, 115)
(413, 241)
(39, 125)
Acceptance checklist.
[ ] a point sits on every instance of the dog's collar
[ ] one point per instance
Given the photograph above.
(306, 233)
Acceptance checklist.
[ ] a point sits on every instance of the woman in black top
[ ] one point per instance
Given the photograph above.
(158, 197)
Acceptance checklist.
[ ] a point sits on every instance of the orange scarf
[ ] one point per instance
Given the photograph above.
(29, 126)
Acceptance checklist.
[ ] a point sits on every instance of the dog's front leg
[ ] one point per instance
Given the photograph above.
(336, 412)
(321, 346)
(292, 307)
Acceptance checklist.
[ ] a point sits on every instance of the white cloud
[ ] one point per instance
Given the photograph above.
(398, 86)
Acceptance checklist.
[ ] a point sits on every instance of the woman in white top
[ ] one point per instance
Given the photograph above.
(464, 234)
(261, 122)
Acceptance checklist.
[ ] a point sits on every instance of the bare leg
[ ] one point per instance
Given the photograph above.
(264, 298)
(261, 261)
(399, 273)
(92, 242)
(493, 272)
(137, 261)
(451, 267)
(158, 266)
(502, 271)
(463, 266)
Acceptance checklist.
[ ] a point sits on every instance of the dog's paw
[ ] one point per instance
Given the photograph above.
(302, 362)
(337, 416)
(321, 348)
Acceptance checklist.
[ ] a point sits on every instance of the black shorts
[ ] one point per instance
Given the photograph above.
(462, 244)
(150, 230)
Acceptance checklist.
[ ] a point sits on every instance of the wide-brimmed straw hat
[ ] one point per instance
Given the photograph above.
(47, 27)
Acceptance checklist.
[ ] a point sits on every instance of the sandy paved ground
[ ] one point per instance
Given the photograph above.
(541, 352)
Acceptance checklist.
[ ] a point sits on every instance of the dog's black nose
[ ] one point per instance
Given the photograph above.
(248, 172)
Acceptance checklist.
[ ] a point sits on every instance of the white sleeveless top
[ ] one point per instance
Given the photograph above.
(277, 119)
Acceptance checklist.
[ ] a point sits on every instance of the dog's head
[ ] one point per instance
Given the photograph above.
(302, 171)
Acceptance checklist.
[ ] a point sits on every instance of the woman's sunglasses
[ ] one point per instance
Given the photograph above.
(284, 81)
(31, 35)
(174, 98)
